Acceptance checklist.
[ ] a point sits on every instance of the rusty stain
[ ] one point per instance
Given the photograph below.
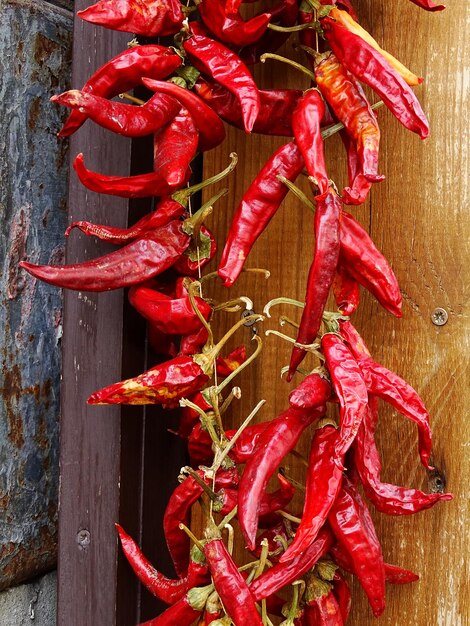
(42, 48)
(4, 501)
(11, 393)
(17, 252)
(34, 113)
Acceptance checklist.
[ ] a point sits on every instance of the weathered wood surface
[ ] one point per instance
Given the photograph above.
(35, 46)
(418, 218)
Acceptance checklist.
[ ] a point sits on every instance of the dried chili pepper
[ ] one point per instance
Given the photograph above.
(278, 438)
(166, 210)
(138, 186)
(197, 255)
(124, 72)
(189, 423)
(141, 17)
(153, 253)
(367, 265)
(313, 391)
(174, 147)
(428, 5)
(275, 113)
(227, 364)
(352, 526)
(349, 385)
(209, 125)
(346, 290)
(390, 387)
(124, 119)
(323, 483)
(174, 316)
(161, 343)
(222, 65)
(165, 589)
(257, 207)
(282, 574)
(370, 67)
(321, 273)
(306, 120)
(343, 595)
(233, 591)
(387, 498)
(322, 608)
(185, 611)
(193, 343)
(350, 105)
(230, 27)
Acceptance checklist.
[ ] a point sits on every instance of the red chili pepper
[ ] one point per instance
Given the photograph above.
(367, 265)
(279, 437)
(352, 526)
(223, 66)
(171, 316)
(387, 498)
(343, 595)
(189, 422)
(161, 343)
(178, 510)
(321, 274)
(258, 206)
(390, 387)
(141, 17)
(350, 105)
(174, 147)
(346, 290)
(194, 343)
(197, 255)
(322, 608)
(231, 28)
(323, 483)
(349, 386)
(166, 210)
(313, 391)
(124, 119)
(213, 610)
(210, 126)
(185, 611)
(139, 260)
(370, 67)
(165, 589)
(275, 113)
(233, 591)
(139, 186)
(228, 364)
(427, 5)
(282, 574)
(306, 121)
(124, 72)
(305, 16)
(272, 535)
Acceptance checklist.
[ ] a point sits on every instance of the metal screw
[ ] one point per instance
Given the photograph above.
(247, 313)
(83, 538)
(439, 317)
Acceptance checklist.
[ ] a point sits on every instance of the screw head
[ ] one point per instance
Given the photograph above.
(83, 538)
(439, 316)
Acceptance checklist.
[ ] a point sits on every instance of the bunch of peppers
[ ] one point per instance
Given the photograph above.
(299, 561)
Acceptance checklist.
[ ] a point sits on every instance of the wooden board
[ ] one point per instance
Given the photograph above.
(417, 218)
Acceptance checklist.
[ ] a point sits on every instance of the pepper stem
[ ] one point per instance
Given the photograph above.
(310, 347)
(276, 301)
(192, 225)
(235, 305)
(298, 66)
(292, 29)
(220, 344)
(127, 96)
(297, 192)
(296, 483)
(229, 517)
(207, 490)
(290, 517)
(182, 196)
(263, 557)
(299, 457)
(190, 287)
(283, 319)
(193, 537)
(241, 367)
(231, 538)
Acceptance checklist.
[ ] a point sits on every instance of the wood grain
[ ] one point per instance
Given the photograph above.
(417, 219)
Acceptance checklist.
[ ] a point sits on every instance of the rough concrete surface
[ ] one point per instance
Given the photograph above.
(33, 604)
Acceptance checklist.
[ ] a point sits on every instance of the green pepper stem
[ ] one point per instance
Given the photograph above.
(283, 319)
(241, 367)
(193, 537)
(276, 301)
(127, 96)
(183, 195)
(207, 490)
(231, 538)
(291, 29)
(263, 557)
(297, 192)
(213, 353)
(190, 287)
(291, 480)
(235, 393)
(228, 518)
(290, 517)
(298, 66)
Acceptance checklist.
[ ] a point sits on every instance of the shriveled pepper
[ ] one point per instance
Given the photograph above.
(124, 72)
(278, 438)
(142, 17)
(223, 66)
(321, 273)
(230, 27)
(209, 125)
(346, 290)
(343, 595)
(258, 206)
(185, 611)
(314, 390)
(124, 119)
(227, 364)
(321, 606)
(370, 67)
(197, 255)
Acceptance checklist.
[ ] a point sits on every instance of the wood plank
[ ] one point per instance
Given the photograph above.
(416, 218)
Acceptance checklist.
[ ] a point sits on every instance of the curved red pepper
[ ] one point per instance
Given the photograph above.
(321, 273)
(427, 5)
(346, 290)
(279, 437)
(258, 206)
(210, 126)
(139, 186)
(370, 67)
(343, 595)
(124, 72)
(141, 17)
(185, 611)
(151, 254)
(225, 365)
(124, 119)
(194, 343)
(198, 254)
(225, 67)
(231, 28)
(323, 483)
(321, 606)
(313, 391)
